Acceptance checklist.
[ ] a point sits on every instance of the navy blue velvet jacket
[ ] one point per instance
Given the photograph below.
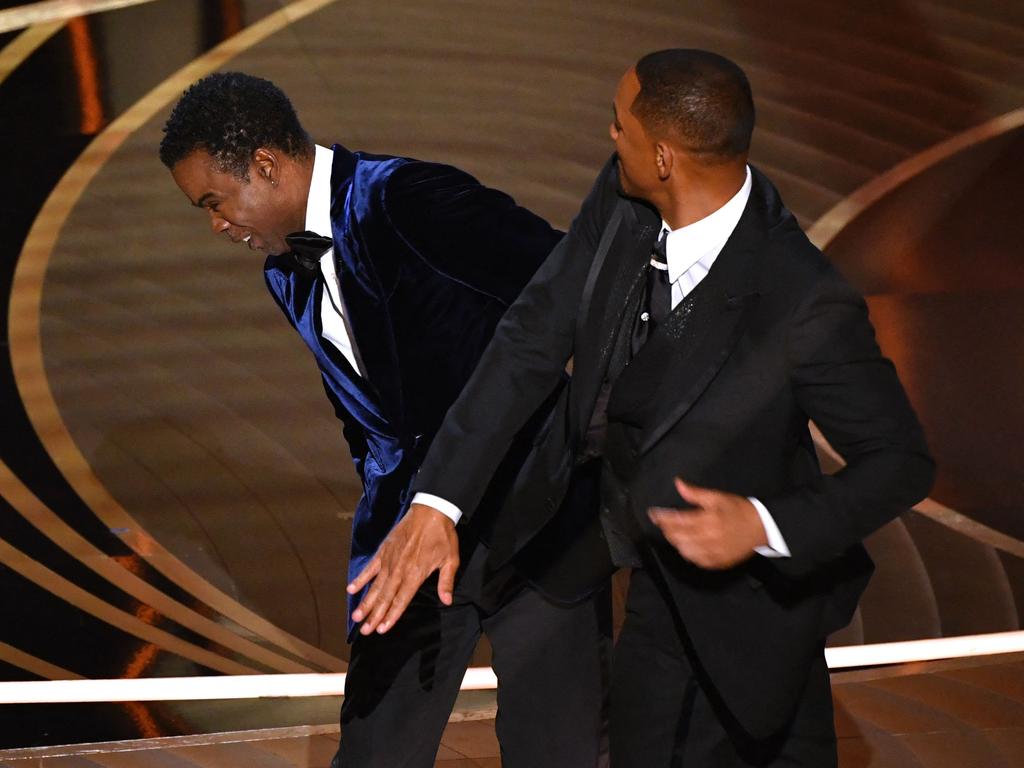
(428, 259)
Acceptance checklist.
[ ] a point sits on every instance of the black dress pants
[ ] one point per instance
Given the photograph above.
(549, 660)
(663, 716)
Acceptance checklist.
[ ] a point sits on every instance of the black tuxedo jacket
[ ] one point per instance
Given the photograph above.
(781, 339)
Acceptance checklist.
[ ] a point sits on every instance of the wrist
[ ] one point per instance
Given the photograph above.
(432, 515)
(758, 533)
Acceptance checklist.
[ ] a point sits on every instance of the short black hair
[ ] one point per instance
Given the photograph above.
(230, 115)
(704, 99)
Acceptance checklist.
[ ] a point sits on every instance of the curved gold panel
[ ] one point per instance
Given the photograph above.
(26, 352)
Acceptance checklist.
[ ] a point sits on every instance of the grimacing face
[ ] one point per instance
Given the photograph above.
(246, 211)
(638, 171)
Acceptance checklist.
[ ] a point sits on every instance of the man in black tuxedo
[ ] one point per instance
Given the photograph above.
(704, 330)
(389, 268)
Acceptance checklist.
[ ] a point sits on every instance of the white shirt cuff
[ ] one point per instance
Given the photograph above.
(443, 506)
(776, 544)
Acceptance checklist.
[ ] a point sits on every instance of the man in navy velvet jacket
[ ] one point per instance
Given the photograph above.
(391, 269)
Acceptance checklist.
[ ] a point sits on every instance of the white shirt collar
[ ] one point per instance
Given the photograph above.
(704, 239)
(318, 205)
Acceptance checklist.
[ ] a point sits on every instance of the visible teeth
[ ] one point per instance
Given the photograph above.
(246, 238)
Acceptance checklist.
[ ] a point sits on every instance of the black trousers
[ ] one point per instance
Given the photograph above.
(550, 662)
(663, 716)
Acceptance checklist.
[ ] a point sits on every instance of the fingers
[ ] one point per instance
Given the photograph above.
(372, 569)
(391, 595)
(387, 588)
(662, 516)
(675, 520)
(715, 534)
(373, 596)
(422, 542)
(398, 605)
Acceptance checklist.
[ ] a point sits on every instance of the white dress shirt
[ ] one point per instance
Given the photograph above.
(318, 220)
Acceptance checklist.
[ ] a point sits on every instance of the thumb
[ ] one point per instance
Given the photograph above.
(446, 580)
(693, 494)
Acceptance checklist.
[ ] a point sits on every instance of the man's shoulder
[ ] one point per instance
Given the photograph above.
(408, 174)
(383, 179)
(373, 171)
(792, 263)
(382, 167)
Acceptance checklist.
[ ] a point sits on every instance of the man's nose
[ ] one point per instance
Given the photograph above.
(218, 223)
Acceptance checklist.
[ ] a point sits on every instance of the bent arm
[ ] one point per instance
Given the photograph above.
(852, 393)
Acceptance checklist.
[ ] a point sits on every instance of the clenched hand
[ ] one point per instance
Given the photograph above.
(422, 542)
(721, 530)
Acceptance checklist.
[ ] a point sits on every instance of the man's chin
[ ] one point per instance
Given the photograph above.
(625, 188)
(276, 249)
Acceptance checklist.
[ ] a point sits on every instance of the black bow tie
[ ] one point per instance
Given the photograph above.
(308, 247)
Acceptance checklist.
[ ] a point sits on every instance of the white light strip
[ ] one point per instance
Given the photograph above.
(477, 678)
(199, 688)
(880, 654)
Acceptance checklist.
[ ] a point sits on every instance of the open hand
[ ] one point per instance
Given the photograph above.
(422, 542)
(721, 530)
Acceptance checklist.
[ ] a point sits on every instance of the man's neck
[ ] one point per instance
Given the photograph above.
(703, 191)
(303, 169)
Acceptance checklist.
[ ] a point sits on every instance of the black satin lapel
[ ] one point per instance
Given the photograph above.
(585, 317)
(605, 294)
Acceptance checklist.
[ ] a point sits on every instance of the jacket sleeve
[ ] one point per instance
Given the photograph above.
(474, 234)
(843, 383)
(522, 364)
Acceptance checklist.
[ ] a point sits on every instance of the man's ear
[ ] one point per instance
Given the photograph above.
(267, 167)
(664, 159)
